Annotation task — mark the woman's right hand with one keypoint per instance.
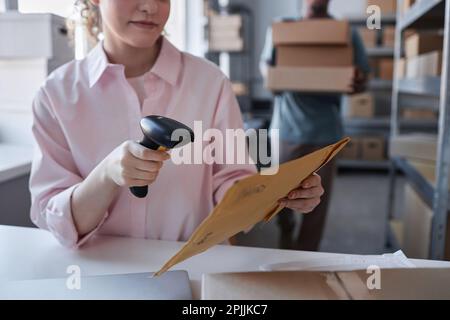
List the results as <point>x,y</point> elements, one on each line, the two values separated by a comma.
<point>132,165</point>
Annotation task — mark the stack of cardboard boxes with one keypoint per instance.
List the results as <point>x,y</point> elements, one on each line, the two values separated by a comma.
<point>423,58</point>
<point>365,148</point>
<point>420,150</point>
<point>423,53</point>
<point>225,33</point>
<point>312,56</point>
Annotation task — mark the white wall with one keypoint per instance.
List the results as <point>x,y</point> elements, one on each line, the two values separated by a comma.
<point>342,8</point>
<point>62,8</point>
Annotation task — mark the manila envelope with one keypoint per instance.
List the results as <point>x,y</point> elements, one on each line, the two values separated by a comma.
<point>250,201</point>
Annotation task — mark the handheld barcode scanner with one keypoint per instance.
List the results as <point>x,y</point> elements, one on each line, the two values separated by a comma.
<point>159,135</point>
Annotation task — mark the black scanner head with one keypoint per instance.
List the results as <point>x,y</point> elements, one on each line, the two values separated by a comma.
<point>165,132</point>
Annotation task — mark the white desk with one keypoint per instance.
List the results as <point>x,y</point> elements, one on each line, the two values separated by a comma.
<point>15,161</point>
<point>34,254</point>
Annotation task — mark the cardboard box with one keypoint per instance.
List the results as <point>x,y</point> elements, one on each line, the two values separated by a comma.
<point>424,65</point>
<point>419,114</point>
<point>231,33</point>
<point>374,66</point>
<point>395,284</point>
<point>314,56</point>
<point>372,148</point>
<point>386,69</point>
<point>352,150</point>
<point>232,45</point>
<point>386,6</point>
<point>310,79</point>
<point>389,36</point>
<point>369,37</point>
<point>358,106</point>
<point>311,32</point>
<point>407,4</point>
<point>417,224</point>
<point>421,43</point>
<point>418,146</point>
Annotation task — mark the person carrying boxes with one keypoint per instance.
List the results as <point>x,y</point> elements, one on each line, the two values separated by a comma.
<point>309,63</point>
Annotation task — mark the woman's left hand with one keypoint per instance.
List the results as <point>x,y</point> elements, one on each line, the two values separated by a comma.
<point>305,198</point>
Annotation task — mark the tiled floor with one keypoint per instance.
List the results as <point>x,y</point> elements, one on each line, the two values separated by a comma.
<point>356,217</point>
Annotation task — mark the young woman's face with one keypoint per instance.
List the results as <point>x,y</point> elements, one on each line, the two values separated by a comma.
<point>139,23</point>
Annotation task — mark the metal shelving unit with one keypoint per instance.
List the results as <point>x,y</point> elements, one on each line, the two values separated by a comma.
<point>380,88</point>
<point>241,67</point>
<point>363,165</point>
<point>425,15</point>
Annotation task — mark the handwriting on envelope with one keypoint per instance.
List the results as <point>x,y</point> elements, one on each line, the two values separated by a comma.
<point>250,201</point>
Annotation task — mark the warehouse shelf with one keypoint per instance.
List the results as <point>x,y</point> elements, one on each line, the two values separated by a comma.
<point>385,19</point>
<point>379,89</point>
<point>430,86</point>
<point>424,14</point>
<point>380,84</point>
<point>385,122</point>
<point>363,164</point>
<point>419,183</point>
<point>380,52</point>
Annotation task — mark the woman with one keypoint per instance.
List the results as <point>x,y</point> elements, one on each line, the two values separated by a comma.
<point>86,124</point>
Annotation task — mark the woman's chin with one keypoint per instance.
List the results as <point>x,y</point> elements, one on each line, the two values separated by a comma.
<point>143,42</point>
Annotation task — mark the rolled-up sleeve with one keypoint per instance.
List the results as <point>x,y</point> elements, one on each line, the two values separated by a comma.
<point>228,116</point>
<point>54,176</point>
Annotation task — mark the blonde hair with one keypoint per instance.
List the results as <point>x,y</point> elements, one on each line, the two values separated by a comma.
<point>90,17</point>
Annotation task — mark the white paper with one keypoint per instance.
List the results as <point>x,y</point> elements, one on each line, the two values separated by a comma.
<point>396,260</point>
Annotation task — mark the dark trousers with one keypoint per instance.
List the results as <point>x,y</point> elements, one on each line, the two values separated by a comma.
<point>312,226</point>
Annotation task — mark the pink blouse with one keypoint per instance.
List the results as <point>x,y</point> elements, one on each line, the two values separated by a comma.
<point>87,108</point>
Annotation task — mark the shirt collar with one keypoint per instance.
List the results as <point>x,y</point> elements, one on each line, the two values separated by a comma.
<point>166,67</point>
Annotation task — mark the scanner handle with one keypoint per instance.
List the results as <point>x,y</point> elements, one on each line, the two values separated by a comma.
<point>141,192</point>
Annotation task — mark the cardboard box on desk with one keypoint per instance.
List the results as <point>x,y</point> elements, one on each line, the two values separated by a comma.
<point>311,32</point>
<point>314,56</point>
<point>420,43</point>
<point>311,79</point>
<point>306,285</point>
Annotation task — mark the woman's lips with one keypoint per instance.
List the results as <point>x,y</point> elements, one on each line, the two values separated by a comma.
<point>144,24</point>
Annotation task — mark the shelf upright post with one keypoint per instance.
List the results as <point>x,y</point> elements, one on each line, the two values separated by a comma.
<point>395,115</point>
<point>441,194</point>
